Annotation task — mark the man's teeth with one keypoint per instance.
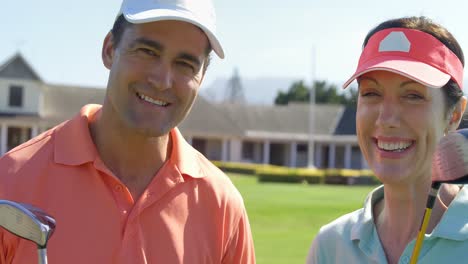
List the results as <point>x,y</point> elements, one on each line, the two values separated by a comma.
<point>151,100</point>
<point>395,146</point>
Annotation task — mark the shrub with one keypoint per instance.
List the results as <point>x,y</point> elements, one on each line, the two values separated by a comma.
<point>350,177</point>
<point>272,173</point>
<point>237,167</point>
<point>277,175</point>
<point>289,175</point>
<point>312,176</point>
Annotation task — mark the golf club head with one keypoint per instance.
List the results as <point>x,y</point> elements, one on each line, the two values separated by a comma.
<point>26,221</point>
<point>450,160</point>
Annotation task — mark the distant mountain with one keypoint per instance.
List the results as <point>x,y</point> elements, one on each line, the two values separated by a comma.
<point>256,91</point>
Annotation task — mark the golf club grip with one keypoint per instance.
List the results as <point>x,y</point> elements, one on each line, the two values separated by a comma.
<point>450,160</point>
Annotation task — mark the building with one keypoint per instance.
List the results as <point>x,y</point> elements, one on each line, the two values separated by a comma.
<point>277,135</point>
<point>265,134</point>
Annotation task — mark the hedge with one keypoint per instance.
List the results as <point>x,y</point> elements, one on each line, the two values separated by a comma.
<point>290,175</point>
<point>234,167</point>
<point>350,177</point>
<point>272,173</point>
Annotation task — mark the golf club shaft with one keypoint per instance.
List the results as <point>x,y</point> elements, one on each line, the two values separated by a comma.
<point>42,253</point>
<point>420,238</point>
<point>427,216</point>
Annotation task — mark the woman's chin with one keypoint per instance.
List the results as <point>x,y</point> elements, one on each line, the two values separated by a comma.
<point>393,174</point>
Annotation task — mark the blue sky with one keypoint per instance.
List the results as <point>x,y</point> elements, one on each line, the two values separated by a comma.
<point>262,38</point>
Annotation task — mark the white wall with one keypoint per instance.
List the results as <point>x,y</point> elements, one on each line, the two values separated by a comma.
<point>235,150</point>
<point>31,94</point>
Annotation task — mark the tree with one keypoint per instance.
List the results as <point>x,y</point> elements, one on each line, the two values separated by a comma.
<point>234,91</point>
<point>298,92</point>
<point>325,93</point>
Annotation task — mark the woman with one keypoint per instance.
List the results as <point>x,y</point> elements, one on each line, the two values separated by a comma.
<point>410,76</point>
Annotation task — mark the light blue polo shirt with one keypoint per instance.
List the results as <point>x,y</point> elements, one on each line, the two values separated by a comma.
<point>353,238</point>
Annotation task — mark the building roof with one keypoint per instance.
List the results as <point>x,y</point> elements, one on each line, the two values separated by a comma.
<point>64,101</point>
<point>205,119</point>
<point>17,67</point>
<point>347,123</point>
<point>283,118</point>
<point>243,120</point>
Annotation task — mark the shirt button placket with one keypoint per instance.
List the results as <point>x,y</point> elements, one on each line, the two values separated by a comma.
<point>122,202</point>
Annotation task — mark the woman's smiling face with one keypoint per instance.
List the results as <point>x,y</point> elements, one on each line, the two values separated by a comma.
<point>399,122</point>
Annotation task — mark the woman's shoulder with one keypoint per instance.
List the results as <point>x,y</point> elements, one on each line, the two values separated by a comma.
<point>342,226</point>
<point>335,241</point>
<point>358,224</point>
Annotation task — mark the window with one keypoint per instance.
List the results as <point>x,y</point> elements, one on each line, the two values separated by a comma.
<point>17,136</point>
<point>302,147</point>
<point>16,96</point>
<point>248,150</point>
<point>199,144</point>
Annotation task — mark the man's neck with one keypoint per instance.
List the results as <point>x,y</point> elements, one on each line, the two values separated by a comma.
<point>133,158</point>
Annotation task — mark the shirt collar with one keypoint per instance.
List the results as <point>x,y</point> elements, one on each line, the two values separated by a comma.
<point>74,145</point>
<point>454,222</point>
<point>365,225</point>
<point>73,142</point>
<point>364,229</point>
<point>187,159</point>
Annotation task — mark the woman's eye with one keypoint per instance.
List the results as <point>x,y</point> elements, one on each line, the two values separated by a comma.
<point>369,94</point>
<point>414,97</point>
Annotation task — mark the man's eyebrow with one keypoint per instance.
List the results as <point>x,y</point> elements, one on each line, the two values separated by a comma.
<point>159,46</point>
<point>190,57</point>
<point>147,42</point>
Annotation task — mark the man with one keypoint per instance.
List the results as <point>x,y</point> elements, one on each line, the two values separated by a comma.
<point>120,180</point>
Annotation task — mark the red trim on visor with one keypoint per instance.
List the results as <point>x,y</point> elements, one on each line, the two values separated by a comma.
<point>411,53</point>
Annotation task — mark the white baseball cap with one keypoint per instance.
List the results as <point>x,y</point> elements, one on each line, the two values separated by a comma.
<point>200,13</point>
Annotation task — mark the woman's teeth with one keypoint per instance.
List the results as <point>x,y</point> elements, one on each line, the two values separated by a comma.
<point>394,146</point>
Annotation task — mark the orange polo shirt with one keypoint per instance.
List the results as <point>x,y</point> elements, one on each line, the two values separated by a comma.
<point>189,213</point>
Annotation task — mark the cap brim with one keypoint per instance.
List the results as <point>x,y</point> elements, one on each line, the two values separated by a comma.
<point>167,14</point>
<point>410,68</point>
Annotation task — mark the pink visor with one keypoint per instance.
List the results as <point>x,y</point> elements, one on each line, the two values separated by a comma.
<point>412,53</point>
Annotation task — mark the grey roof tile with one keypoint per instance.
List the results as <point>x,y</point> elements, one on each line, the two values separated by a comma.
<point>206,119</point>
<point>347,123</point>
<point>238,119</point>
<point>63,101</point>
<point>17,67</point>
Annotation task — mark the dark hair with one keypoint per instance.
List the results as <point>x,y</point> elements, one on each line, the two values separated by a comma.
<point>118,29</point>
<point>451,90</point>
<point>121,24</point>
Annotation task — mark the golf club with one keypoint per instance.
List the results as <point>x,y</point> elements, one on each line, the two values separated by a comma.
<point>28,222</point>
<point>449,165</point>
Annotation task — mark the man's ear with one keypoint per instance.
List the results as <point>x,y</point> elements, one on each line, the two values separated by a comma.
<point>108,50</point>
<point>457,114</point>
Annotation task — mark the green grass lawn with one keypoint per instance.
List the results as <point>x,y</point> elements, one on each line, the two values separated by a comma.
<point>285,217</point>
